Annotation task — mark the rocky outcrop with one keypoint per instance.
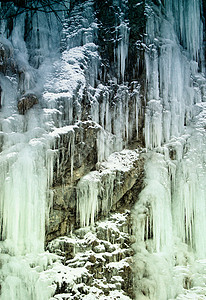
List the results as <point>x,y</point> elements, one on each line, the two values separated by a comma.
<point>111,182</point>
<point>26,102</point>
<point>0,96</point>
<point>76,148</point>
<point>96,260</point>
<point>7,62</point>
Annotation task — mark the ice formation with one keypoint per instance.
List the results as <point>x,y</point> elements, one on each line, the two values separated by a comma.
<point>169,215</point>
<point>171,208</point>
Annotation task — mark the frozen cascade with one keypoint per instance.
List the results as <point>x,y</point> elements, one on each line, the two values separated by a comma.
<point>153,124</point>
<point>189,194</point>
<point>25,196</point>
<point>170,74</point>
<point>26,168</point>
<point>170,212</point>
<point>87,200</point>
<point>169,216</point>
<point>24,172</point>
<point>188,25</point>
<point>156,199</point>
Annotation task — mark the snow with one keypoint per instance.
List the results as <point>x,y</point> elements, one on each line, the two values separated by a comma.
<point>76,270</point>
<point>118,265</point>
<point>121,161</point>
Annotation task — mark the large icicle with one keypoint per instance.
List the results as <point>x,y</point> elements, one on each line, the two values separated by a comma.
<point>23,192</point>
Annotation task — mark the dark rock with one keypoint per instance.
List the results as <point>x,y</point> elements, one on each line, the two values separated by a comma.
<point>0,96</point>
<point>92,259</point>
<point>7,63</point>
<point>27,102</point>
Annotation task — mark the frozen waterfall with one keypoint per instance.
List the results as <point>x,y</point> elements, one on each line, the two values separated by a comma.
<point>25,164</point>
<point>73,158</point>
<point>170,213</point>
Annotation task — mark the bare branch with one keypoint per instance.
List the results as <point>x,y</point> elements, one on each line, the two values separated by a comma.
<point>45,6</point>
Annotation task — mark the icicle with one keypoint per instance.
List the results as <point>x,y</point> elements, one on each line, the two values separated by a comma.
<point>106,191</point>
<point>153,124</point>
<point>72,148</point>
<point>87,200</point>
<point>168,70</point>
<point>122,49</point>
<point>137,115</point>
<point>105,145</point>
<point>24,191</point>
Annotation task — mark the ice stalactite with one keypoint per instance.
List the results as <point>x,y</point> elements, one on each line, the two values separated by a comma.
<point>155,218</point>
<point>87,200</point>
<point>26,173</point>
<point>188,25</point>
<point>121,52</point>
<point>153,124</point>
<point>119,121</point>
<point>105,145</point>
<point>62,142</point>
<point>169,71</point>
<point>20,232</point>
<point>154,233</point>
<point>94,195</point>
<point>169,218</point>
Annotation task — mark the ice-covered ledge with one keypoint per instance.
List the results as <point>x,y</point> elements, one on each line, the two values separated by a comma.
<point>96,193</point>
<point>100,190</point>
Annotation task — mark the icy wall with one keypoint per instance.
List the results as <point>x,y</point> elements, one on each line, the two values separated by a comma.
<point>169,213</point>
<point>81,83</point>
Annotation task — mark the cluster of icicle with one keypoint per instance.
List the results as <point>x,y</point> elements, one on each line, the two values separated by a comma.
<point>26,164</point>
<point>170,213</point>
<point>173,57</point>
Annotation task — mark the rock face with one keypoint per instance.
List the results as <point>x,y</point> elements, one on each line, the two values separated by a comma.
<point>0,96</point>
<point>113,181</point>
<point>7,62</point>
<point>85,192</point>
<point>26,102</point>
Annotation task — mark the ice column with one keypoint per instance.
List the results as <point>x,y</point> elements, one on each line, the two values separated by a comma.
<point>189,206</point>
<point>153,124</point>
<point>23,186</point>
<point>153,210</point>
<point>87,199</point>
<point>122,48</point>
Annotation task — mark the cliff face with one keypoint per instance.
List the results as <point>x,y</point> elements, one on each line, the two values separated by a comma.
<point>102,149</point>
